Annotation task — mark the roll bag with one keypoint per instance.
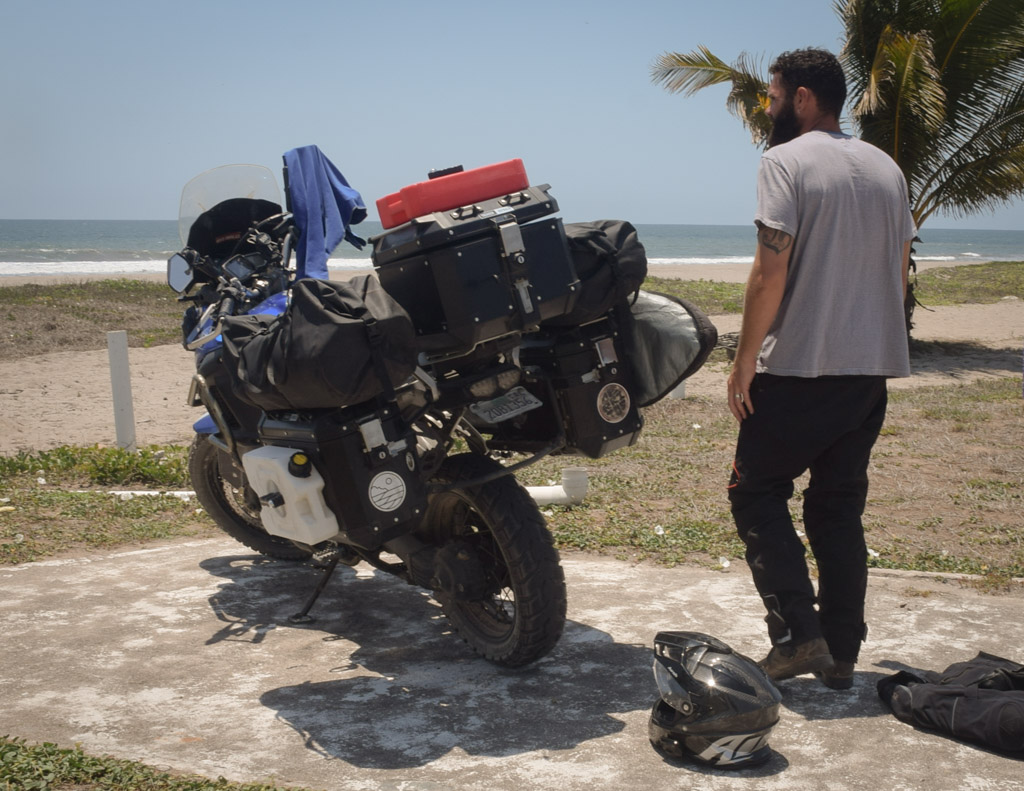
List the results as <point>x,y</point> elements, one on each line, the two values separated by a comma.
<point>337,344</point>
<point>666,340</point>
<point>611,264</point>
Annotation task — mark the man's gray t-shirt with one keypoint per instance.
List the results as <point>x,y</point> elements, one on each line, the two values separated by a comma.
<point>845,204</point>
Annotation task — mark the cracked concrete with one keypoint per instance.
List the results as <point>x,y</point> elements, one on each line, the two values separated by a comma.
<point>181,656</point>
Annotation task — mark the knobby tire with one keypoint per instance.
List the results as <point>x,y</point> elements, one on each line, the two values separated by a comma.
<point>522,617</point>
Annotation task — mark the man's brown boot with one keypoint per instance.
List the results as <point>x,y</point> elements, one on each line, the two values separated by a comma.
<point>839,677</point>
<point>786,661</point>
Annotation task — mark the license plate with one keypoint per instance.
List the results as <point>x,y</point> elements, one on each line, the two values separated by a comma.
<point>515,402</point>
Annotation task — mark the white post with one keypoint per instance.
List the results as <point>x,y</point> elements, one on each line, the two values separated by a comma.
<point>121,389</point>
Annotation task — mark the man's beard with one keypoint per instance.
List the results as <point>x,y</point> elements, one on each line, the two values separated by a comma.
<point>784,126</point>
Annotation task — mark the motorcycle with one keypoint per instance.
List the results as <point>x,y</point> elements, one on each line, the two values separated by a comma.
<point>382,420</point>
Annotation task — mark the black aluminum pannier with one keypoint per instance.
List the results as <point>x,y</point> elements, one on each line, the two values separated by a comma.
<point>367,458</point>
<point>581,390</point>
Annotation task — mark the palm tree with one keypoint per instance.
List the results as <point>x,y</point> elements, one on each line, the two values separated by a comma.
<point>937,84</point>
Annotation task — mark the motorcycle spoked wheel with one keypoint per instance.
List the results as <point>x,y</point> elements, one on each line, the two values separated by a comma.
<point>227,505</point>
<point>521,614</point>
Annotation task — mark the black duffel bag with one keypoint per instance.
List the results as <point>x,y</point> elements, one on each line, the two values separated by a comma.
<point>338,344</point>
<point>611,265</point>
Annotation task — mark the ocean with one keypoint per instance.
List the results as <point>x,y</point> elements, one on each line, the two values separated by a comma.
<point>82,247</point>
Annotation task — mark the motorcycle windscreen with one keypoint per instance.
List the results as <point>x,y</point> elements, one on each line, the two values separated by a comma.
<point>668,339</point>
<point>212,187</point>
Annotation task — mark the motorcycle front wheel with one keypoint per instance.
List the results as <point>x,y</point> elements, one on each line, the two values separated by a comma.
<point>229,507</point>
<point>516,612</point>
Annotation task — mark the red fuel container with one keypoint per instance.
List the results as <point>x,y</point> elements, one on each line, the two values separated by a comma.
<point>451,191</point>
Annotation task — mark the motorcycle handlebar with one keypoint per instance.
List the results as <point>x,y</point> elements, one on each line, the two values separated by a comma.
<point>215,312</point>
<point>195,343</point>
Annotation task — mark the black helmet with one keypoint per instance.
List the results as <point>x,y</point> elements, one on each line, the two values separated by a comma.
<point>717,707</point>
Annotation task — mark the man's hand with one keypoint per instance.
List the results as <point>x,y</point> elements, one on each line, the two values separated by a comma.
<point>738,388</point>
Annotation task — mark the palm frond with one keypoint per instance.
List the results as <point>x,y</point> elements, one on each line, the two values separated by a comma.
<point>691,72</point>
<point>979,50</point>
<point>986,170</point>
<point>903,108</point>
<point>687,73</point>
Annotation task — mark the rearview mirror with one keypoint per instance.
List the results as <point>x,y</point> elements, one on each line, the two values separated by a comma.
<point>179,273</point>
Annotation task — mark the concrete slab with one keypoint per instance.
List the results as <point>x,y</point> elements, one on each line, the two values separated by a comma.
<point>181,656</point>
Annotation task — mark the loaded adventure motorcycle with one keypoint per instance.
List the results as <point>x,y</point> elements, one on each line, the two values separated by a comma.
<point>382,419</point>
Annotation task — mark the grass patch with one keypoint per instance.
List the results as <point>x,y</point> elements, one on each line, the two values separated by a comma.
<point>46,766</point>
<point>957,285</point>
<point>165,467</point>
<point>77,316</point>
<point>712,296</point>
<point>40,522</point>
<point>52,503</point>
<point>947,483</point>
<point>978,283</point>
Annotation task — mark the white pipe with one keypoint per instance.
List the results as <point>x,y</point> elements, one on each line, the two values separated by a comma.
<point>571,492</point>
<point>129,494</point>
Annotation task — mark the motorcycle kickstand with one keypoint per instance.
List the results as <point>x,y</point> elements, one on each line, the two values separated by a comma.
<point>303,616</point>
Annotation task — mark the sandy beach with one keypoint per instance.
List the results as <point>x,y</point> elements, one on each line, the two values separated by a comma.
<point>65,397</point>
<point>726,273</point>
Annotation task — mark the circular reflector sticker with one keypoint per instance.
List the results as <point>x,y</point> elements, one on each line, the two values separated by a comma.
<point>387,491</point>
<point>613,403</point>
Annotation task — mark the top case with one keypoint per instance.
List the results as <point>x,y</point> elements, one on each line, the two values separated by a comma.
<point>451,226</point>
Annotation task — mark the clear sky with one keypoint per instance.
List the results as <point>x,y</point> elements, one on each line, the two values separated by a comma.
<point>107,107</point>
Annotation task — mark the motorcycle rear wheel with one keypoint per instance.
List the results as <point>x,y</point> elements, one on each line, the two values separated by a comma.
<point>521,615</point>
<point>227,505</point>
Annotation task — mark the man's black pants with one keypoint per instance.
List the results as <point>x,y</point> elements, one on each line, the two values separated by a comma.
<point>827,425</point>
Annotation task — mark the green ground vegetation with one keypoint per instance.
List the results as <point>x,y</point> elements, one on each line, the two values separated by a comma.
<point>48,767</point>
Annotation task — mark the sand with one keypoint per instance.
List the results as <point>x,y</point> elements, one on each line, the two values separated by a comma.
<point>65,397</point>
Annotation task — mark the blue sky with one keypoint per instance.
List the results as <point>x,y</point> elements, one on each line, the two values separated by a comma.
<point>109,107</point>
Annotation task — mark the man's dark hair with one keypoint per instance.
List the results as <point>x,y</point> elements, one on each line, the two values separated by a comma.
<point>819,71</point>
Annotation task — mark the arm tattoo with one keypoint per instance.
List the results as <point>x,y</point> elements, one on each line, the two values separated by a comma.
<point>776,241</point>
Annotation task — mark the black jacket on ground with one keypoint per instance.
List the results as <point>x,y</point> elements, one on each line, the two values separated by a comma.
<point>980,701</point>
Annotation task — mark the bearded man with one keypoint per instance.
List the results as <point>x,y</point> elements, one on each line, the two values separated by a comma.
<point>823,329</point>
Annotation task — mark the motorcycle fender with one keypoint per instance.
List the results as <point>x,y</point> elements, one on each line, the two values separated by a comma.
<point>205,425</point>
<point>229,470</point>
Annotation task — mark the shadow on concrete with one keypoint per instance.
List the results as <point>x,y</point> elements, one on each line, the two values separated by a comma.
<point>408,689</point>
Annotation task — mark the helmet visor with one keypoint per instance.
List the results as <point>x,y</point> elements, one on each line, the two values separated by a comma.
<point>671,691</point>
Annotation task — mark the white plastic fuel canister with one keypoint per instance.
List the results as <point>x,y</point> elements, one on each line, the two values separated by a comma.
<point>293,505</point>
